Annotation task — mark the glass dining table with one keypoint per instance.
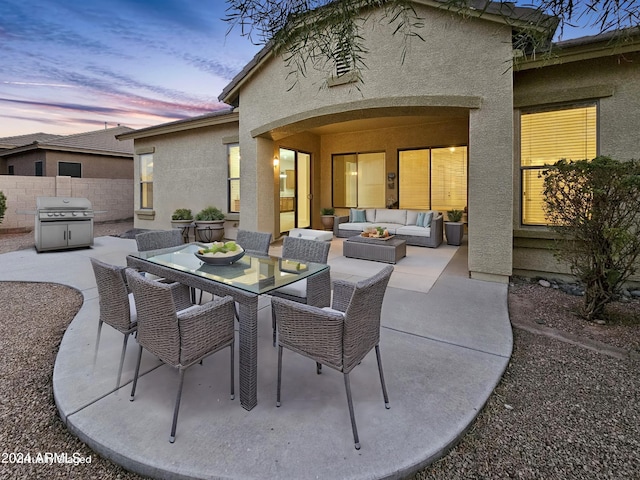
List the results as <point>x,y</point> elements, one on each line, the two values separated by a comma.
<point>245,280</point>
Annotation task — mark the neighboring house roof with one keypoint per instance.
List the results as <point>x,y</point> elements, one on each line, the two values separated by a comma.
<point>502,12</point>
<point>98,142</point>
<point>218,117</point>
<point>20,140</point>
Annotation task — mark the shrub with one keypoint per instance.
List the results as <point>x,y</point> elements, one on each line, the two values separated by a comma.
<point>594,206</point>
<point>182,214</point>
<point>209,214</point>
<point>3,205</point>
<point>454,215</point>
<point>327,211</point>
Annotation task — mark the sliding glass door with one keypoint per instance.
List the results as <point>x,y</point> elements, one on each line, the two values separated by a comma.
<point>295,189</point>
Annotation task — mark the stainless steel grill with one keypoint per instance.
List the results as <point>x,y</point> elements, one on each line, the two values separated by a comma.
<point>63,222</point>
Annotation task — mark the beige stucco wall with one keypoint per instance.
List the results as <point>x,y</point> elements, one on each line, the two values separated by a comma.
<point>615,83</point>
<point>460,59</point>
<point>115,196</point>
<point>189,171</point>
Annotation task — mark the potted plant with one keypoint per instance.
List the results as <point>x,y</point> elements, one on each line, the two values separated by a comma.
<point>210,224</point>
<point>181,217</point>
<point>3,205</point>
<point>454,228</point>
<point>328,218</point>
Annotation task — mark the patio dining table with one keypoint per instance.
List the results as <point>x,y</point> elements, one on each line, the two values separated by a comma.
<point>245,280</point>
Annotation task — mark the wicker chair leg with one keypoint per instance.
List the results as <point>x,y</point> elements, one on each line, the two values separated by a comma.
<point>124,350</point>
<point>135,375</point>
<point>273,325</point>
<point>279,375</point>
<point>318,368</point>
<point>172,437</point>
<point>384,386</point>
<point>95,353</point>
<point>233,394</point>
<point>347,386</point>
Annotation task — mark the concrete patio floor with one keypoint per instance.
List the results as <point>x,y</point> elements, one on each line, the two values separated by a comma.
<point>445,342</point>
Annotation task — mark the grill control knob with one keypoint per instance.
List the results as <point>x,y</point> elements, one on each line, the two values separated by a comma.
<point>62,214</point>
<point>49,214</point>
<point>56,214</point>
<point>84,213</point>
<point>75,214</point>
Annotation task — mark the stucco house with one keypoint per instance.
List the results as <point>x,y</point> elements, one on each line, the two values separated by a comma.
<point>466,121</point>
<point>95,154</point>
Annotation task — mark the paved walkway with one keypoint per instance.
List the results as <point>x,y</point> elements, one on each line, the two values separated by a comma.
<point>445,342</point>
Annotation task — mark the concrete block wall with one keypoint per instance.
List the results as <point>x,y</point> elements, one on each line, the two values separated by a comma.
<point>113,195</point>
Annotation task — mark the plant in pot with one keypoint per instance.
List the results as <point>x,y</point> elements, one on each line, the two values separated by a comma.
<point>328,218</point>
<point>210,224</point>
<point>454,228</point>
<point>181,217</point>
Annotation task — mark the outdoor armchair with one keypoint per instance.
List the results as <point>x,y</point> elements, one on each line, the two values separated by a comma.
<point>117,305</point>
<point>254,242</point>
<point>314,290</point>
<point>179,338</point>
<point>338,337</point>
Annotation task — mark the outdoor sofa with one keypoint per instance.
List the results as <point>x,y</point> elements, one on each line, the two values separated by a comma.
<point>423,229</point>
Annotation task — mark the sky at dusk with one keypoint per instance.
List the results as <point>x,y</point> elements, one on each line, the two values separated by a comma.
<point>69,66</point>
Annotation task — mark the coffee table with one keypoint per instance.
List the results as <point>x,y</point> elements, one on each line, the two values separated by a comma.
<point>377,249</point>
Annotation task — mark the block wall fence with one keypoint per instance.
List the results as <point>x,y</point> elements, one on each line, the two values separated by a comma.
<point>115,196</point>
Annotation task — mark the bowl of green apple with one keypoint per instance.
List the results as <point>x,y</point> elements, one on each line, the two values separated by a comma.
<point>220,253</point>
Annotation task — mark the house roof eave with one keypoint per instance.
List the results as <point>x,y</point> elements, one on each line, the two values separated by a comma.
<point>489,10</point>
<point>606,44</point>
<point>209,120</point>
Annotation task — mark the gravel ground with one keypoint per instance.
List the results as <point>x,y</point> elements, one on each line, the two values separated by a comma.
<point>561,411</point>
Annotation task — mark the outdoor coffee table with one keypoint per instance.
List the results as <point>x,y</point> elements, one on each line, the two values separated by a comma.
<point>244,280</point>
<point>388,250</point>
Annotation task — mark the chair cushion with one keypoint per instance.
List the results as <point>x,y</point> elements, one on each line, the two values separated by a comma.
<point>296,289</point>
<point>133,313</point>
<point>355,227</point>
<point>329,309</point>
<point>414,230</point>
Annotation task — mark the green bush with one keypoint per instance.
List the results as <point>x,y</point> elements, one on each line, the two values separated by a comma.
<point>594,206</point>
<point>3,205</point>
<point>327,211</point>
<point>182,214</point>
<point>454,215</point>
<point>209,214</point>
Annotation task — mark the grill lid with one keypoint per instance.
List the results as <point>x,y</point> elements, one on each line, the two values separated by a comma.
<point>62,203</point>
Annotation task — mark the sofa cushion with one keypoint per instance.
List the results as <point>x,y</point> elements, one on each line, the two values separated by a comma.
<point>424,219</point>
<point>355,227</point>
<point>412,216</point>
<point>384,215</point>
<point>390,227</point>
<point>420,220</point>
<point>371,214</point>
<point>356,216</point>
<point>414,230</point>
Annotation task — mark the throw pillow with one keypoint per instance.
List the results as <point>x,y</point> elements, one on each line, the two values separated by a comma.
<point>426,222</point>
<point>420,219</point>
<point>357,216</point>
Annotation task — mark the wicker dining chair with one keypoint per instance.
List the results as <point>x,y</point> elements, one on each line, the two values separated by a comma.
<point>117,305</point>
<point>156,239</point>
<point>254,242</point>
<point>314,290</point>
<point>179,338</point>
<point>338,337</point>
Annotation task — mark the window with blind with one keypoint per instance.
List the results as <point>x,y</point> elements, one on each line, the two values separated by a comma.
<point>146,180</point>
<point>359,180</point>
<point>433,178</point>
<point>233,158</point>
<point>546,137</point>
